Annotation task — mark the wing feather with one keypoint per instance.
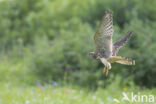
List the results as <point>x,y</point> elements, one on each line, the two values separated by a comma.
<point>103,36</point>
<point>117,45</point>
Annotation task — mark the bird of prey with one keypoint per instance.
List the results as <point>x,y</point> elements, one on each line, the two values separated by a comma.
<point>106,50</point>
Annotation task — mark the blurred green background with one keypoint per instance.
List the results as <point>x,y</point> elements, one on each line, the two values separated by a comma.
<point>48,41</point>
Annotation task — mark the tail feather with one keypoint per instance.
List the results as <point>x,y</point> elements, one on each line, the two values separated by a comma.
<point>126,62</point>
<point>121,60</point>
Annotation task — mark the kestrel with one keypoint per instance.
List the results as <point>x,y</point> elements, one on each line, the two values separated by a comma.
<point>106,50</point>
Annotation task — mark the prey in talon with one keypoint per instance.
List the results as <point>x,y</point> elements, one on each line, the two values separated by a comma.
<point>106,50</point>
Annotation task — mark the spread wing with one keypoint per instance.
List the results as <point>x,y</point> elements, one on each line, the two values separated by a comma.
<point>117,45</point>
<point>103,36</point>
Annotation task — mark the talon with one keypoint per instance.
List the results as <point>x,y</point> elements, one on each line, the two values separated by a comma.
<point>107,68</point>
<point>107,65</point>
<point>106,72</point>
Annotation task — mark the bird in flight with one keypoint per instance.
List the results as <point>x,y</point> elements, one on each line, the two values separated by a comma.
<point>106,50</point>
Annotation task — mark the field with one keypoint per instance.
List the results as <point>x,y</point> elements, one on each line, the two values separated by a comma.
<point>68,94</point>
<point>44,47</point>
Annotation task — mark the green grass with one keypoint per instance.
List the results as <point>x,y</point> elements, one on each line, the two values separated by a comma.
<point>49,94</point>
<point>16,87</point>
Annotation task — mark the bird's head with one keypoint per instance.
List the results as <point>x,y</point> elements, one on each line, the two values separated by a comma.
<point>92,55</point>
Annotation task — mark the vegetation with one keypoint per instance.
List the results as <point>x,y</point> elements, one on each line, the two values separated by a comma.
<point>69,94</point>
<point>48,41</point>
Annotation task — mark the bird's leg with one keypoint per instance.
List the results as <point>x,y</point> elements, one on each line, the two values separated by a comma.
<point>121,60</point>
<point>107,65</point>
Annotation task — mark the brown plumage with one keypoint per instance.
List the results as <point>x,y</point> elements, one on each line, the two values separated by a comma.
<point>105,49</point>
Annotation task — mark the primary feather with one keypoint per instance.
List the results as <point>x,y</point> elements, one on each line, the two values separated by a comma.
<point>103,36</point>
<point>117,45</point>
